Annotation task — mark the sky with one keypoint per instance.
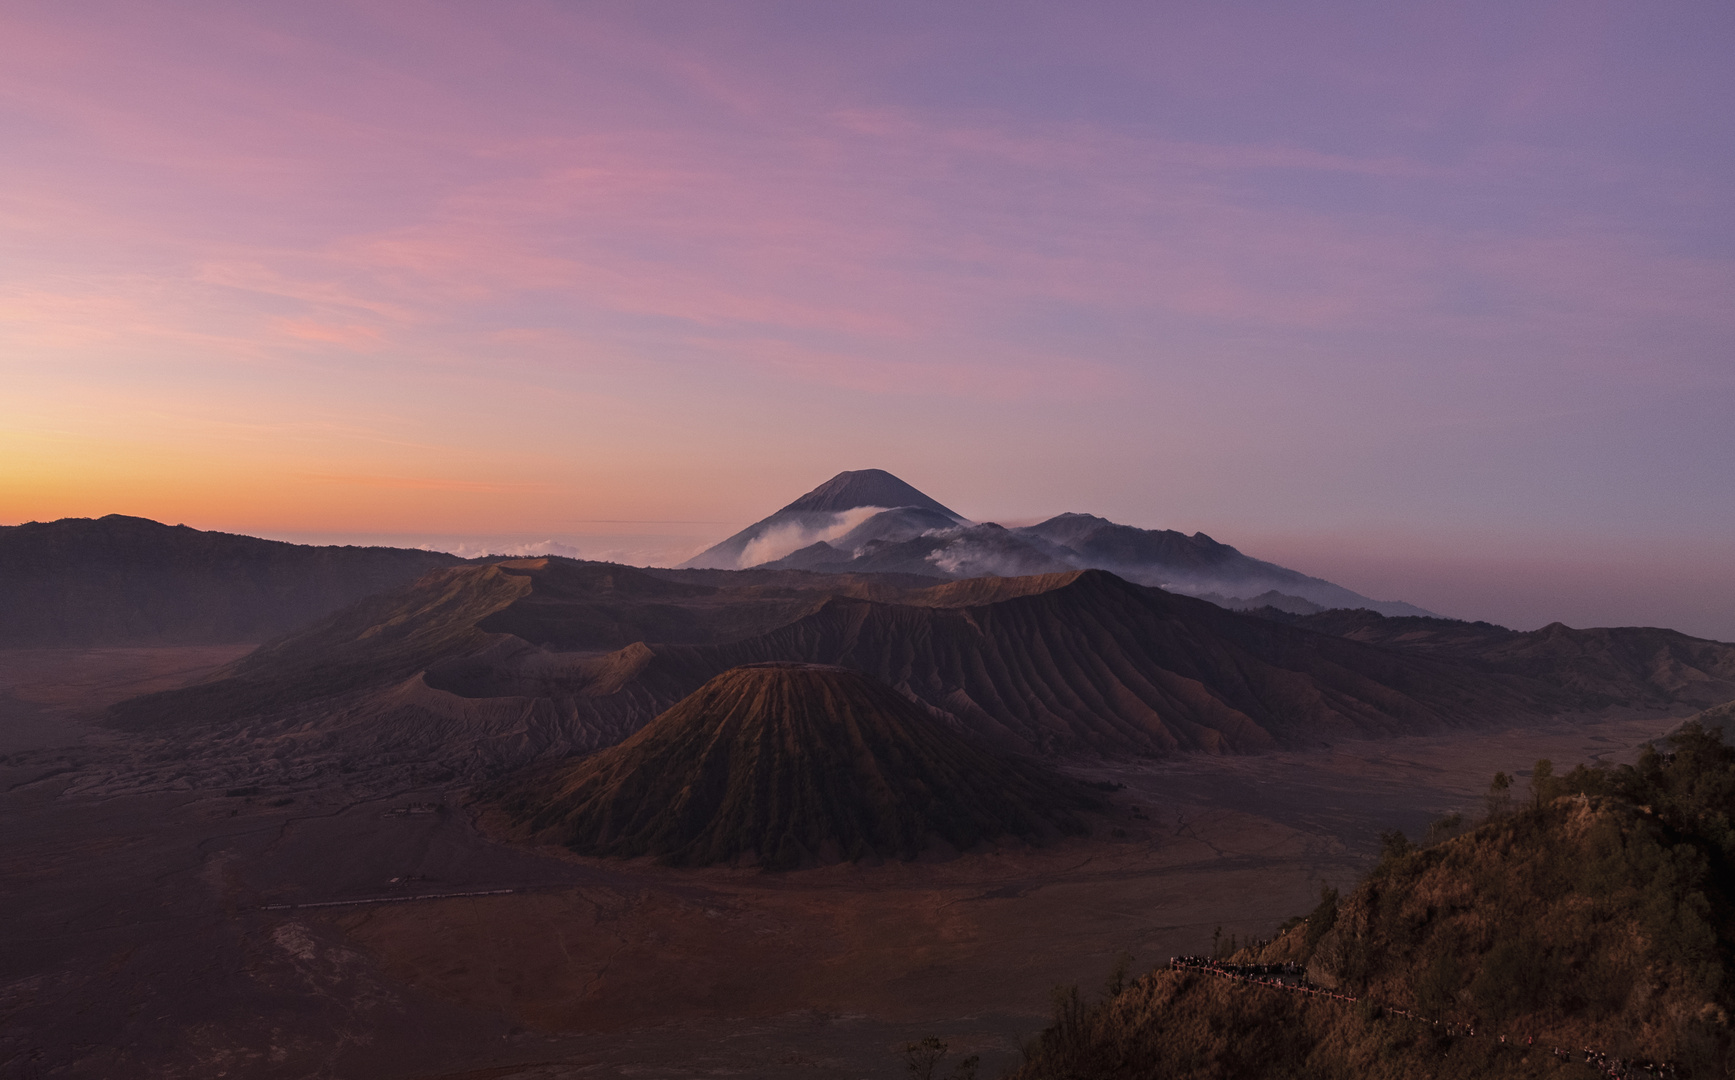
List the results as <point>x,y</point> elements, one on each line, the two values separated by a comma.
<point>1434,300</point>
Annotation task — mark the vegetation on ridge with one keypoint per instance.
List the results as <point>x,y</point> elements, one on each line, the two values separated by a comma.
<point>1597,913</point>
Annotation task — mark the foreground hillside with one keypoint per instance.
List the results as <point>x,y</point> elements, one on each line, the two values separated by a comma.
<point>131,581</point>
<point>1599,915</point>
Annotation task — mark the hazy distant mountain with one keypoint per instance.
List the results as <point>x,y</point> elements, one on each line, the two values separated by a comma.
<point>872,522</point>
<point>130,581</point>
<point>1195,564</point>
<point>1289,605</point>
<point>959,551</point>
<point>837,508</point>
<point>858,771</point>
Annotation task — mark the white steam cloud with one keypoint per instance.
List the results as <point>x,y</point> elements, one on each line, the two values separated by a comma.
<point>780,540</point>
<point>967,557</point>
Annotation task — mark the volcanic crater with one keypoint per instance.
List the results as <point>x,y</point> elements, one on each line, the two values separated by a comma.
<point>786,764</point>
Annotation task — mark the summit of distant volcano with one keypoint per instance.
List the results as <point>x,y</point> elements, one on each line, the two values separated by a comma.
<point>865,487</point>
<point>865,503</point>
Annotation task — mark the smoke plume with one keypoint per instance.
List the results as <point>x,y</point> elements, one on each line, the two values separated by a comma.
<point>790,536</point>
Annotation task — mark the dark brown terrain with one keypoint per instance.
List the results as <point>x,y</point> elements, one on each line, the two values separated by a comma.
<point>273,862</point>
<point>1622,665</point>
<point>479,669</point>
<point>120,581</point>
<point>139,935</point>
<point>786,765</point>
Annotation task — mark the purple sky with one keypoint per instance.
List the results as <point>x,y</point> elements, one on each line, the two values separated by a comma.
<point>1436,301</point>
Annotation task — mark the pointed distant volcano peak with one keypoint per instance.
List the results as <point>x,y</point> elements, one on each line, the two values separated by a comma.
<point>851,508</point>
<point>865,487</point>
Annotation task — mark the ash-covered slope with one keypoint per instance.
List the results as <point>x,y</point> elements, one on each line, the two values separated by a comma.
<point>552,607</point>
<point>786,765</point>
<point>1619,665</point>
<point>131,581</point>
<point>485,668</point>
<point>1087,662</point>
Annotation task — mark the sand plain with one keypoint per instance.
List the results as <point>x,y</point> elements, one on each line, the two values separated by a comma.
<point>49,696</point>
<point>144,934</point>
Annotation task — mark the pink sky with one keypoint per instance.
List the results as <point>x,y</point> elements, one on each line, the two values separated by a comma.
<point>1437,301</point>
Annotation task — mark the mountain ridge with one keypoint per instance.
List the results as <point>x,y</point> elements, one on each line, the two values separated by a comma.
<point>906,531</point>
<point>120,580</point>
<point>483,669</point>
<point>1613,664</point>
